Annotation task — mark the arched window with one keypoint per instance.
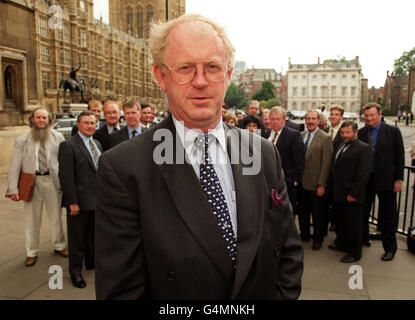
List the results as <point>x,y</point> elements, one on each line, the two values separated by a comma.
<point>129,16</point>
<point>8,82</point>
<point>150,15</point>
<point>140,22</point>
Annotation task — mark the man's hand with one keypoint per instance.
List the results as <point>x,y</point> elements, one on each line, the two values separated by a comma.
<point>351,199</point>
<point>15,197</point>
<point>74,209</point>
<point>397,186</point>
<point>320,191</point>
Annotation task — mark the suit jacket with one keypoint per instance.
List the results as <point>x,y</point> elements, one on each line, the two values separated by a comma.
<point>103,137</point>
<point>317,161</point>
<point>116,137</point>
<point>157,238</point>
<point>389,156</point>
<point>77,173</point>
<point>292,151</point>
<point>24,159</point>
<point>351,171</point>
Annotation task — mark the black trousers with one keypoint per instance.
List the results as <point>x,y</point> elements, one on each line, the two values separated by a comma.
<point>387,216</point>
<point>349,225</point>
<point>309,202</point>
<point>292,195</point>
<point>81,240</point>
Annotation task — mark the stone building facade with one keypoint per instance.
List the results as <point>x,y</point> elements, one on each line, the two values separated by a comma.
<point>251,81</point>
<point>323,84</point>
<point>41,40</point>
<point>396,93</point>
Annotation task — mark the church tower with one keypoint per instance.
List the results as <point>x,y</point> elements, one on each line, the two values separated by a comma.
<point>135,16</point>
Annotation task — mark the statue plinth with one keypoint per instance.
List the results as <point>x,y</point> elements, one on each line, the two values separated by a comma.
<point>74,107</point>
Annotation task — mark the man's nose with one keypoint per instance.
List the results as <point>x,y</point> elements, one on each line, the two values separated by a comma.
<point>200,80</point>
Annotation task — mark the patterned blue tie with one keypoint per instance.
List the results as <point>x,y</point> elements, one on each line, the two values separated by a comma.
<point>211,186</point>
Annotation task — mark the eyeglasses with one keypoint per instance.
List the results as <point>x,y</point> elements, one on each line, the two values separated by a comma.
<point>184,72</point>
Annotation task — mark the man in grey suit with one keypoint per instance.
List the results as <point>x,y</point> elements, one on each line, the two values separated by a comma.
<point>194,225</point>
<point>36,152</point>
<point>319,151</point>
<point>78,161</point>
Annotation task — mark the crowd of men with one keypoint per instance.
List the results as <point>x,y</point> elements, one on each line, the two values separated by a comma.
<point>333,172</point>
<point>204,229</point>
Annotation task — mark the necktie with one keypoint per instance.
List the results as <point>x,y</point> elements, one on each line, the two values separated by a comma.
<point>115,129</point>
<point>210,184</point>
<point>43,165</point>
<point>371,140</point>
<point>332,133</point>
<point>94,152</point>
<point>341,150</point>
<point>275,137</point>
<point>134,132</point>
<point>307,141</point>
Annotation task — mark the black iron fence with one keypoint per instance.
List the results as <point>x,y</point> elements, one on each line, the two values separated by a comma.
<point>406,203</point>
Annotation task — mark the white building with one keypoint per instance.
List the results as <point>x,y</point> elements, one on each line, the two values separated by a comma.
<point>312,86</point>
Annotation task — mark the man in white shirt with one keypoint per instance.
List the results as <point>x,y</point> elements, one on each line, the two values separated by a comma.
<point>112,117</point>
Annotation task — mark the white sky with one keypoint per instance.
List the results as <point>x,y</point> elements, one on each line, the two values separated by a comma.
<point>266,32</point>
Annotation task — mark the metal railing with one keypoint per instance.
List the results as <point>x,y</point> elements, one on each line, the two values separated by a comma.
<point>406,204</point>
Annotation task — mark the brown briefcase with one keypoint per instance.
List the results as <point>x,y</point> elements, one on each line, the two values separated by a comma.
<point>26,185</point>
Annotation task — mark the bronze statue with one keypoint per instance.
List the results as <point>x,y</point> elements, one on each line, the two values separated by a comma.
<point>73,84</point>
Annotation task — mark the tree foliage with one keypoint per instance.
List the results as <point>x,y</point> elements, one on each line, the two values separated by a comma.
<point>266,92</point>
<point>401,65</point>
<point>235,97</point>
<point>338,59</point>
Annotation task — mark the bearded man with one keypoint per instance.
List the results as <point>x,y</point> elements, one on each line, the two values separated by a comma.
<point>36,152</point>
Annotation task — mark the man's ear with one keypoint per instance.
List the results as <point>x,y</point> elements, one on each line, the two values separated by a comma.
<point>160,76</point>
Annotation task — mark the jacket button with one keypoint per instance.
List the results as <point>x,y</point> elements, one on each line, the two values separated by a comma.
<point>171,276</point>
<point>277,251</point>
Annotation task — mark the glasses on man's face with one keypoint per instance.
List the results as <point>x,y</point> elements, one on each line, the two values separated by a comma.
<point>184,72</point>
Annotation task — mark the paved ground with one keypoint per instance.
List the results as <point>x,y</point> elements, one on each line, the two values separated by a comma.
<point>325,278</point>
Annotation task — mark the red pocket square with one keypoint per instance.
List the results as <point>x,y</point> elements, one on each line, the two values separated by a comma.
<point>277,200</point>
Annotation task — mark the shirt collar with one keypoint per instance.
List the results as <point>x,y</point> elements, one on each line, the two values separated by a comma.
<point>85,139</point>
<point>188,136</point>
<point>138,130</point>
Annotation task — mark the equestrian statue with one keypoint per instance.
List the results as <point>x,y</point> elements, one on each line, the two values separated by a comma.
<point>73,84</point>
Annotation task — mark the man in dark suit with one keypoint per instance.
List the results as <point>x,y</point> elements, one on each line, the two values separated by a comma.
<point>319,151</point>
<point>182,225</point>
<point>386,176</point>
<point>291,149</point>
<point>351,168</point>
<point>252,109</point>
<point>146,116</point>
<point>133,128</point>
<point>78,160</point>
<point>112,118</point>
<point>94,106</point>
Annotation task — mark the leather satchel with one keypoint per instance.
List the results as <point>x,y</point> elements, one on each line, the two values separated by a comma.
<point>26,185</point>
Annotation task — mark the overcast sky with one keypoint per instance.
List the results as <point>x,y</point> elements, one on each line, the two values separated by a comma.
<point>266,33</point>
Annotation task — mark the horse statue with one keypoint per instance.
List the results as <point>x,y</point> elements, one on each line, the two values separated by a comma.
<point>73,86</point>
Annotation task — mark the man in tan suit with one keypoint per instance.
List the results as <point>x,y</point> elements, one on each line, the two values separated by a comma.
<point>319,151</point>
<point>36,152</point>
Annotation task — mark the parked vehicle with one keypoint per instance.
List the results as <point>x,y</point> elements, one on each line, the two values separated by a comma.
<point>64,126</point>
<point>350,116</point>
<point>63,115</point>
<point>296,114</point>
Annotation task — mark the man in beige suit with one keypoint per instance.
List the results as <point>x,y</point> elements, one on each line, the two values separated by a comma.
<point>36,152</point>
<point>319,151</point>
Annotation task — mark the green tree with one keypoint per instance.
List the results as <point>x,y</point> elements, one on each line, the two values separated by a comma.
<point>235,97</point>
<point>266,92</point>
<point>339,59</point>
<point>401,65</point>
<point>272,103</point>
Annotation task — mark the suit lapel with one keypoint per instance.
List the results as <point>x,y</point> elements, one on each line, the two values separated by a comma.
<point>78,140</point>
<point>313,143</point>
<point>249,208</point>
<point>193,207</point>
<point>282,138</point>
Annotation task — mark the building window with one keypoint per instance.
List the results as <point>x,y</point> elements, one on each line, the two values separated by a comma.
<point>314,91</point>
<point>344,76</point>
<point>84,61</point>
<point>344,91</point>
<point>314,76</point>
<point>150,15</point>
<point>82,38</point>
<point>45,80</point>
<point>64,33</point>
<point>43,27</point>
<point>353,76</point>
<point>353,91</point>
<point>294,105</point>
<point>294,91</point>
<point>324,91</point>
<point>44,53</point>
<point>129,16</point>
<point>304,76</point>
<point>333,76</point>
<point>304,91</point>
<point>140,22</point>
<point>323,76</point>
<point>333,91</point>
<point>294,77</point>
